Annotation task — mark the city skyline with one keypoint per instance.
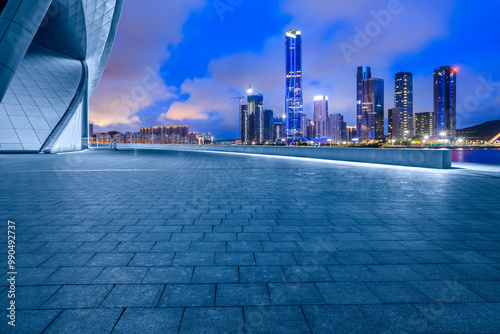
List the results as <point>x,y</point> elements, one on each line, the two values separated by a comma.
<point>225,62</point>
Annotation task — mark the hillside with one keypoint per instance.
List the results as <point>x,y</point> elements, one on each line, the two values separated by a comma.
<point>485,131</point>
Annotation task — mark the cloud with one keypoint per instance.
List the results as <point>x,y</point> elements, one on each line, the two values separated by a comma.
<point>409,30</point>
<point>131,81</point>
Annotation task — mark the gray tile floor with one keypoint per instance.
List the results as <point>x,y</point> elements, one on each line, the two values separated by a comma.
<point>194,242</point>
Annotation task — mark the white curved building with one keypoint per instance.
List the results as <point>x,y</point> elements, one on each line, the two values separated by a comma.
<point>52,55</point>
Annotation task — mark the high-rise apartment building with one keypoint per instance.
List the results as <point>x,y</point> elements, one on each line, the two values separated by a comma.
<point>321,116</point>
<point>424,124</point>
<point>403,99</point>
<point>445,102</point>
<point>396,120</point>
<point>294,104</point>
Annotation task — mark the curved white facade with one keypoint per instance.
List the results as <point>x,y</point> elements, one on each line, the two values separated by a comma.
<point>52,56</point>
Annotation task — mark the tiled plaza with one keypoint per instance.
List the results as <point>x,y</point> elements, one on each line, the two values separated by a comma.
<point>196,242</point>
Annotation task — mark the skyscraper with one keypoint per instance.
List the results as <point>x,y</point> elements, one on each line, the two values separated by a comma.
<point>403,99</point>
<point>268,121</point>
<point>372,112</point>
<point>255,119</point>
<point>321,115</point>
<point>364,72</point>
<point>278,128</point>
<point>424,124</point>
<point>338,128</point>
<point>445,102</point>
<point>244,124</point>
<point>397,117</point>
<point>294,102</point>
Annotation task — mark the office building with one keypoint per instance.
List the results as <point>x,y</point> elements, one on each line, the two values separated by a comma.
<point>294,101</point>
<point>244,124</point>
<point>279,131</point>
<point>372,114</point>
<point>445,102</point>
<point>52,56</point>
<point>338,128</point>
<point>424,124</point>
<point>255,127</point>
<point>350,133</point>
<point>321,116</point>
<point>364,72</point>
<point>268,120</point>
<point>396,122</point>
<point>403,99</point>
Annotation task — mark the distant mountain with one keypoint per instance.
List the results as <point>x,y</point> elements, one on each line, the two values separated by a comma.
<point>485,131</point>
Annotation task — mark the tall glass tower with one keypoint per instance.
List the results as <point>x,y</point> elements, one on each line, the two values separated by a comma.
<point>403,99</point>
<point>445,102</point>
<point>364,72</point>
<point>294,104</point>
<point>372,114</point>
<point>321,116</point>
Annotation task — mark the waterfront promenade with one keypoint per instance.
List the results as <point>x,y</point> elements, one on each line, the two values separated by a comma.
<point>195,242</point>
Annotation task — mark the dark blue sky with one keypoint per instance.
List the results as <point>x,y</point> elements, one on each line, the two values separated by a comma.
<point>208,51</point>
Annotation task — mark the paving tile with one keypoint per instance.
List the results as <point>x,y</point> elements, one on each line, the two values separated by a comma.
<point>234,259</point>
<point>329,319</point>
<point>168,275</point>
<point>133,296</point>
<point>275,259</point>
<point>188,295</point>
<point>148,320</point>
<point>31,297</point>
<point>151,260</point>
<point>275,319</point>
<point>109,259</point>
<point>397,318</point>
<point>219,274</point>
<point>85,321</point>
<point>244,246</point>
<point>397,292</point>
<point>74,275</point>
<point>456,318</point>
<point>207,247</point>
<point>248,294</point>
<point>347,293</point>
<point>212,320</point>
<point>394,273</point>
<point>78,296</point>
<point>449,291</point>
<point>193,259</point>
<point>490,311</point>
<point>307,274</point>
<point>295,294</point>
<point>264,274</point>
<point>34,321</point>
<point>121,275</point>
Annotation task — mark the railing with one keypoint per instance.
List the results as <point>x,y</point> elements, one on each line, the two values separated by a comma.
<point>94,143</point>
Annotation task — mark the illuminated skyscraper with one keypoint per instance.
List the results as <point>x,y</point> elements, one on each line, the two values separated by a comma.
<point>255,119</point>
<point>321,116</point>
<point>364,72</point>
<point>445,102</point>
<point>338,128</point>
<point>372,113</point>
<point>403,99</point>
<point>268,121</point>
<point>294,102</point>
